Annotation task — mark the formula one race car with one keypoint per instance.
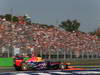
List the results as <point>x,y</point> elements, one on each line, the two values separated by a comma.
<point>37,63</point>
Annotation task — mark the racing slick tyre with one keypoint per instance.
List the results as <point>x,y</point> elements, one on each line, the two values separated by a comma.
<point>50,66</point>
<point>55,67</point>
<point>24,67</point>
<point>17,68</point>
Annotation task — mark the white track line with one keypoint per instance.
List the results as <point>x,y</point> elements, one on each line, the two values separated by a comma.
<point>51,73</point>
<point>64,73</point>
<point>41,74</point>
<point>20,74</point>
<point>87,72</point>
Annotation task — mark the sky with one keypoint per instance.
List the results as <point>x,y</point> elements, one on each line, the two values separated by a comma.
<point>52,12</point>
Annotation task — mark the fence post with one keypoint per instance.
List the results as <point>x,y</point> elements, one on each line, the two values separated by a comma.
<point>57,55</point>
<point>92,55</point>
<point>49,54</point>
<point>70,54</point>
<point>64,54</point>
<point>41,53</point>
<point>87,55</point>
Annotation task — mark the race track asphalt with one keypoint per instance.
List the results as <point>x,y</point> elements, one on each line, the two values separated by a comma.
<point>87,72</point>
<point>11,71</point>
<point>7,69</point>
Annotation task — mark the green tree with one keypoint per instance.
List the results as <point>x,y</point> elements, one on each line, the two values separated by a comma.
<point>93,33</point>
<point>43,25</point>
<point>15,19</point>
<point>69,25</point>
<point>1,16</point>
<point>8,17</point>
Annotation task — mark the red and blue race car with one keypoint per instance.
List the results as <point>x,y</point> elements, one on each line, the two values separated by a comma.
<point>37,63</point>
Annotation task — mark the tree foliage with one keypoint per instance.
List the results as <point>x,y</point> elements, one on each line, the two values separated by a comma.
<point>15,19</point>
<point>93,33</point>
<point>8,17</point>
<point>1,16</point>
<point>44,25</point>
<point>69,25</point>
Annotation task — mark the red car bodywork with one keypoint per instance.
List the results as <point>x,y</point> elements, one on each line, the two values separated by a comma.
<point>18,62</point>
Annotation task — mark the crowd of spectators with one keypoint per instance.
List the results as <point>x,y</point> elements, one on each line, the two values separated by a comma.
<point>42,38</point>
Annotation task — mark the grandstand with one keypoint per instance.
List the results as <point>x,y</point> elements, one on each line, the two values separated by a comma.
<point>47,42</point>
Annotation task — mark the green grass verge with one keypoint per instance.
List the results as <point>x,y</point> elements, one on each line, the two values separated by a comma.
<point>85,62</point>
<point>6,61</point>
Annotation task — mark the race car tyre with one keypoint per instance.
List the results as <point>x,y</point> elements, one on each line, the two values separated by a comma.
<point>17,68</point>
<point>24,67</point>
